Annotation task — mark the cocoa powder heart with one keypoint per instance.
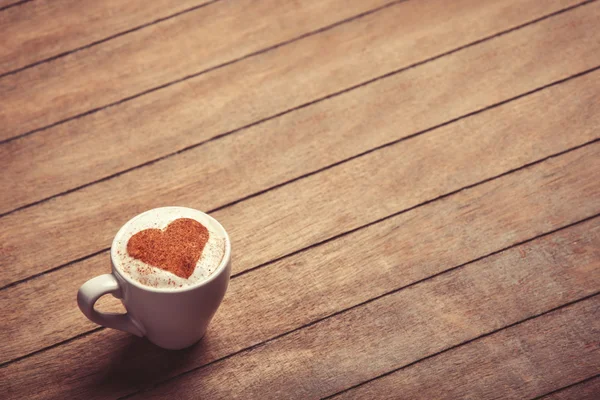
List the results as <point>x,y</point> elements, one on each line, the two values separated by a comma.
<point>176,249</point>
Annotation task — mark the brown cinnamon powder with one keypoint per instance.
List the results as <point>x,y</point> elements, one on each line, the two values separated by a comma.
<point>177,249</point>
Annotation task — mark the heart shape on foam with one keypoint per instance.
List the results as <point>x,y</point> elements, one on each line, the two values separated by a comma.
<point>176,249</point>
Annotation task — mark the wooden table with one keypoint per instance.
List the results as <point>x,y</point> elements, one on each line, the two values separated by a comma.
<point>412,189</point>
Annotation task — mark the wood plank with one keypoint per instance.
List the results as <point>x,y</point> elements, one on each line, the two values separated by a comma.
<point>43,29</point>
<point>159,54</point>
<point>21,331</point>
<point>165,121</point>
<point>406,326</point>
<point>587,390</point>
<point>82,222</point>
<point>519,363</point>
<point>452,231</point>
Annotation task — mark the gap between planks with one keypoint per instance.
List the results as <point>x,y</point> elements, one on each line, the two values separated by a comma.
<point>99,41</point>
<point>592,382</point>
<point>15,4</point>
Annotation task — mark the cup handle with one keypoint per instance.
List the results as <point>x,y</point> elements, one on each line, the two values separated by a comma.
<point>97,287</point>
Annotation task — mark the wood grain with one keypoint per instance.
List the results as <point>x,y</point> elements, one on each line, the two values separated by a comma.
<point>587,390</point>
<point>295,291</point>
<point>522,362</point>
<point>431,233</point>
<point>190,112</point>
<point>82,222</point>
<point>21,331</point>
<point>42,29</point>
<point>157,55</point>
<point>406,326</point>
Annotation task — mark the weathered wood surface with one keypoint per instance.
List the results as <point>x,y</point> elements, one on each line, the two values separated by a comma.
<point>158,55</point>
<point>44,29</point>
<point>4,4</point>
<point>563,200</point>
<point>413,202</point>
<point>587,390</point>
<point>84,221</point>
<point>563,345</point>
<point>163,122</point>
<point>452,231</point>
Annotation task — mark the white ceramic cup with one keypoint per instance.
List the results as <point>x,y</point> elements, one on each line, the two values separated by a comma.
<point>169,318</point>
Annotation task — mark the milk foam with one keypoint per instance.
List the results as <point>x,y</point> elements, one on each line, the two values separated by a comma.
<point>159,218</point>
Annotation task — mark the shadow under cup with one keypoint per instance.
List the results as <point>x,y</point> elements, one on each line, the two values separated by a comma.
<point>172,318</point>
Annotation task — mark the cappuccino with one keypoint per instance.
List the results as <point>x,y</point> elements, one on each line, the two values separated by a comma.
<point>169,248</point>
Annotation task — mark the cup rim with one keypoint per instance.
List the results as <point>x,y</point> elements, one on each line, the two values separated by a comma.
<point>217,272</point>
